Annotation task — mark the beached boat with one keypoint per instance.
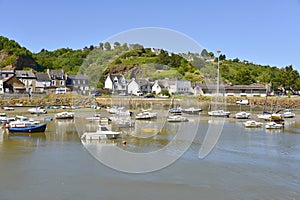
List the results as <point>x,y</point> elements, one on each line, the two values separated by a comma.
<point>7,108</point>
<point>253,124</point>
<point>273,125</point>
<point>242,115</point>
<point>64,115</point>
<point>29,129</point>
<point>287,113</point>
<point>177,118</point>
<point>192,111</point>
<point>219,113</point>
<point>146,115</point>
<point>101,133</point>
<point>37,110</point>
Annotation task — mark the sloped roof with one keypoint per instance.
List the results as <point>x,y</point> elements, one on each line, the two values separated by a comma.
<point>25,74</point>
<point>57,74</point>
<point>78,77</point>
<point>42,77</point>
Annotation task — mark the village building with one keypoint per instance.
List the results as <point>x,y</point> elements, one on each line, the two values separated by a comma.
<point>255,89</point>
<point>78,83</point>
<point>116,83</point>
<point>43,82</point>
<point>13,85</point>
<point>28,78</point>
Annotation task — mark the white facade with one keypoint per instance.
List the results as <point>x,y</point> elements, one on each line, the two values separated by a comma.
<point>133,87</point>
<point>156,87</point>
<point>115,83</point>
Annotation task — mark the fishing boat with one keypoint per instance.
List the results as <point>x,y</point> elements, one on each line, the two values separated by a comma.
<point>219,113</point>
<point>253,124</point>
<point>5,119</point>
<point>64,115</point>
<point>192,111</point>
<point>177,118</point>
<point>102,133</point>
<point>242,115</point>
<point>29,129</point>
<point>287,113</point>
<point>273,125</point>
<point>146,115</point>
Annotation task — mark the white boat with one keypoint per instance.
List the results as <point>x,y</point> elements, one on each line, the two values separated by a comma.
<point>287,113</point>
<point>175,111</point>
<point>242,102</point>
<point>64,115</point>
<point>4,118</point>
<point>273,125</point>
<point>101,133</point>
<point>23,121</point>
<point>146,115</point>
<point>192,111</point>
<point>7,108</point>
<point>177,118</point>
<point>37,110</point>
<point>219,113</point>
<point>242,115</point>
<point>253,124</point>
<point>264,116</point>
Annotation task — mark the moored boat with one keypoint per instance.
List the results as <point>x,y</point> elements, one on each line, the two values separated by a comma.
<point>64,115</point>
<point>192,111</point>
<point>219,113</point>
<point>242,115</point>
<point>273,125</point>
<point>102,133</point>
<point>253,124</point>
<point>37,110</point>
<point>29,129</point>
<point>146,115</point>
<point>177,118</point>
<point>287,113</point>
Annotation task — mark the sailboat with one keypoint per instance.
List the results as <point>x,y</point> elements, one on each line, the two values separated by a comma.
<point>218,113</point>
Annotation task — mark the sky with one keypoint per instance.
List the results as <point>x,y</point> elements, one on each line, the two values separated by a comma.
<point>264,32</point>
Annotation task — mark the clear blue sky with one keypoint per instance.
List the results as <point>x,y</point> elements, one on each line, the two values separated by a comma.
<point>261,31</point>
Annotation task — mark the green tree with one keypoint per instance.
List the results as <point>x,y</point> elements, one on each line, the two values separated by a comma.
<point>107,46</point>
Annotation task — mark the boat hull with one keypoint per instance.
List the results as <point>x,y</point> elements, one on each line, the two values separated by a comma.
<point>29,129</point>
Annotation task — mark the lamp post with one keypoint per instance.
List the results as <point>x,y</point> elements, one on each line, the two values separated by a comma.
<point>218,78</point>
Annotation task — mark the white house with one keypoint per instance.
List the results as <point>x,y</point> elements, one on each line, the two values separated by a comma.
<point>173,86</point>
<point>117,83</point>
<point>133,87</point>
<point>160,85</point>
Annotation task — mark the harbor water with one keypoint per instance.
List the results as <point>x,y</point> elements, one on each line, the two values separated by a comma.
<point>244,164</point>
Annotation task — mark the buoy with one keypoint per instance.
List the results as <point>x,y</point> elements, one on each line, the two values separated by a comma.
<point>124,143</point>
